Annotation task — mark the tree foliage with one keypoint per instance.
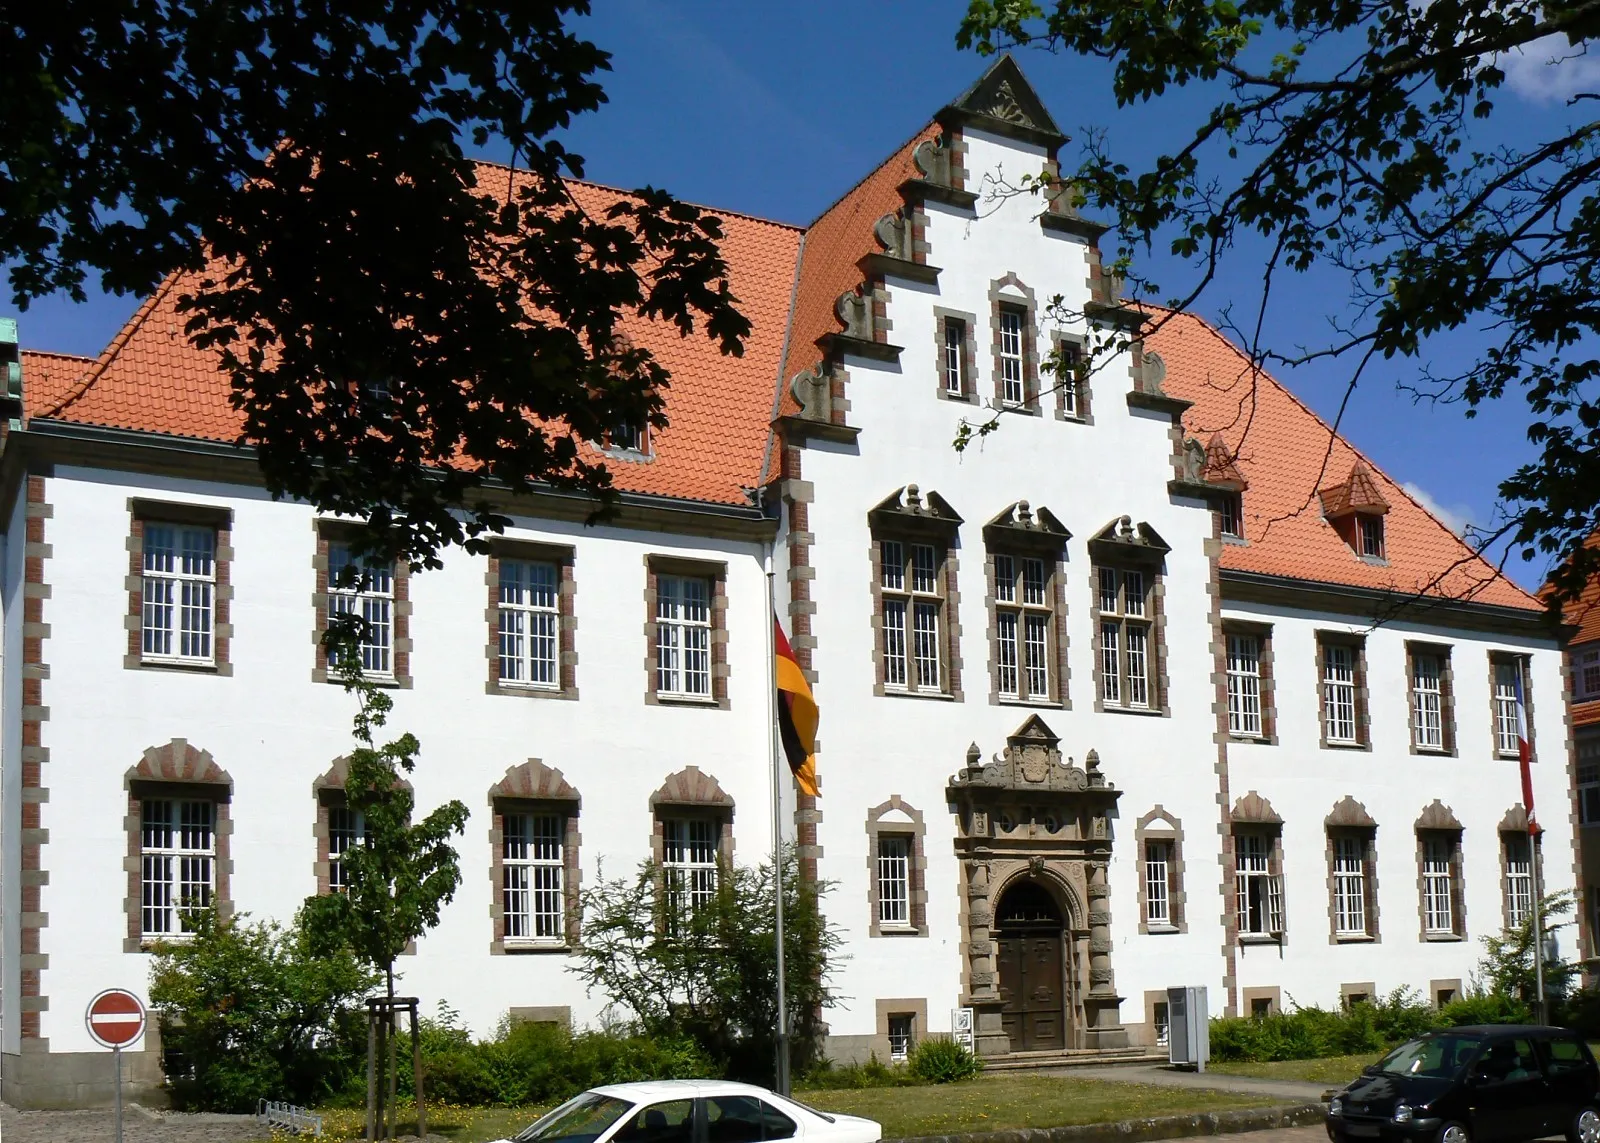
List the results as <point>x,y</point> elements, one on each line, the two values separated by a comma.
<point>403,872</point>
<point>1375,138</point>
<point>255,1011</point>
<point>403,329</point>
<point>710,974</point>
<point>1507,965</point>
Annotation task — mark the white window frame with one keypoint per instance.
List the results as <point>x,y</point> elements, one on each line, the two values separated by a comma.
<point>1507,735</point>
<point>1427,700</point>
<point>1339,718</point>
<point>1013,366</point>
<point>347,828</point>
<point>689,848</point>
<point>1230,515</point>
<point>1516,852</point>
<point>894,857</point>
<point>533,864</point>
<point>530,624</point>
<point>1158,858</point>
<point>683,636</point>
<point>1586,673</point>
<point>178,613</point>
<point>1244,685</point>
<point>177,863</point>
<point>953,356</point>
<point>1438,885</point>
<point>1259,902</point>
<point>1127,633</point>
<point>911,574</point>
<point>373,599</point>
<point>1350,917</point>
<point>902,1035</point>
<point>1369,536</point>
<point>1071,398</point>
<point>1024,628</point>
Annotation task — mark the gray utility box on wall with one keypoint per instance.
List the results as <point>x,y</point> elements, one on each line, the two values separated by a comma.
<point>1188,1029</point>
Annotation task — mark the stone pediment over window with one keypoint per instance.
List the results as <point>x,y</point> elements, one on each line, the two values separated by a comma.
<point>1253,809</point>
<point>337,774</point>
<point>909,510</point>
<point>1350,814</point>
<point>1123,541</point>
<point>1004,102</point>
<point>691,786</point>
<point>178,761</point>
<point>1438,816</point>
<point>1022,526</point>
<point>1032,763</point>
<point>533,781</point>
<point>1515,821</point>
<point>1357,496</point>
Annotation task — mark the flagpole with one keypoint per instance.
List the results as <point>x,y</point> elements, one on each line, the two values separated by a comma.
<point>1538,924</point>
<point>781,1070</point>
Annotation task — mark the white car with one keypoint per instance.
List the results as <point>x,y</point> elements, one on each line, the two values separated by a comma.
<point>692,1111</point>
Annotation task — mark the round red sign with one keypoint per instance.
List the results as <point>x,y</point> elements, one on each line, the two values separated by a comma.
<point>115,1018</point>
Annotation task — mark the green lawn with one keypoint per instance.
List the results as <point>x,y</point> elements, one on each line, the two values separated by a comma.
<point>1335,1071</point>
<point>989,1103</point>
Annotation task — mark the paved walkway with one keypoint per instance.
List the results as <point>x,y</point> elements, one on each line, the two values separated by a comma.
<point>138,1126</point>
<point>1292,1091</point>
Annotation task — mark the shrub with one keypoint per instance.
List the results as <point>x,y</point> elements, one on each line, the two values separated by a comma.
<point>1582,1012</point>
<point>939,1059</point>
<point>1484,1008</point>
<point>829,1076</point>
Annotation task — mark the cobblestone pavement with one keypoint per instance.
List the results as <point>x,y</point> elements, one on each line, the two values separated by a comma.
<point>138,1126</point>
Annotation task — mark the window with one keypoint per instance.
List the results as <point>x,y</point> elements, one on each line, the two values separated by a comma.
<point>1439,885</point>
<point>1124,638</point>
<point>683,636</point>
<point>1163,1021</point>
<point>901,1039</point>
<point>894,880</point>
<point>366,589</point>
<point>177,860</point>
<point>1230,515</point>
<point>689,863</point>
<point>1260,892</point>
<point>1244,685</point>
<point>913,614</point>
<point>1013,388</point>
<point>532,864</point>
<point>180,576</point>
<point>1508,730</point>
<point>1071,385</point>
<point>530,620</point>
<point>953,357</point>
<point>1349,885</point>
<point>1427,700</point>
<point>1586,673</point>
<point>1158,884</point>
<point>1024,620</point>
<point>1260,1007</point>
<point>1369,534</point>
<point>1565,1056</point>
<point>741,1119</point>
<point>1517,855</point>
<point>671,1122</point>
<point>628,437</point>
<point>346,829</point>
<point>1339,693</point>
<point>1588,782</point>
<point>1444,996</point>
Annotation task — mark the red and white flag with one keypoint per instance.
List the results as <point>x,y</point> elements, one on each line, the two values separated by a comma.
<point>1525,755</point>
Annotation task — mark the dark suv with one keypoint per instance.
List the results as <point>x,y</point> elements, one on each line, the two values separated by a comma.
<point>1475,1085</point>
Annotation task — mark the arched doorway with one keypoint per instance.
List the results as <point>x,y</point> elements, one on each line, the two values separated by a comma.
<point>1030,935</point>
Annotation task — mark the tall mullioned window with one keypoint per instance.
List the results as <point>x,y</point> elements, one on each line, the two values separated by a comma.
<point>683,636</point>
<point>1517,859</point>
<point>1013,387</point>
<point>1438,885</point>
<point>533,869</point>
<point>1258,886</point>
<point>953,357</point>
<point>689,864</point>
<point>1244,685</point>
<point>1024,618</point>
<point>530,620</point>
<point>180,577</point>
<point>1339,693</point>
<point>1158,883</point>
<point>1427,701</point>
<point>1124,638</point>
<point>1507,723</point>
<point>1349,886</point>
<point>913,615</point>
<point>364,588</point>
<point>894,880</point>
<point>346,829</point>
<point>177,863</point>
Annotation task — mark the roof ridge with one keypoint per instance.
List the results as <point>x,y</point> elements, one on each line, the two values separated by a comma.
<point>1361,457</point>
<point>887,159</point>
<point>109,354</point>
<point>509,169</point>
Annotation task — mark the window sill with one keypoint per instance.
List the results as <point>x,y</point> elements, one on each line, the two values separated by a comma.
<point>1038,704</point>
<point>1433,751</point>
<point>1345,746</point>
<point>707,701</point>
<point>1443,938</point>
<point>1354,939</point>
<point>898,931</point>
<point>196,666</point>
<point>1252,739</point>
<point>936,696</point>
<point>1236,541</point>
<point>1502,756</point>
<point>525,948</point>
<point>1260,939</point>
<point>1161,930</point>
<point>501,686</point>
<point>1146,711</point>
<point>388,682</point>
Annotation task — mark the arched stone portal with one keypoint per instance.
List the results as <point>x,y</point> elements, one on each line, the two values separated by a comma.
<point>1033,839</point>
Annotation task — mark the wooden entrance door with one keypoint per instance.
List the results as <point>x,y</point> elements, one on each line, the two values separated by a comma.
<point>1031,979</point>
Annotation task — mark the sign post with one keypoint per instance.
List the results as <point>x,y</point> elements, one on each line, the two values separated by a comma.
<point>115,1019</point>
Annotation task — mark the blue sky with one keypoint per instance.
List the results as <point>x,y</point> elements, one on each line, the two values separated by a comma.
<point>776,109</point>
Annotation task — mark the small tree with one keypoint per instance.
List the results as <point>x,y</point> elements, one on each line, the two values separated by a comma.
<point>1507,966</point>
<point>403,872</point>
<point>256,1011</point>
<point>711,973</point>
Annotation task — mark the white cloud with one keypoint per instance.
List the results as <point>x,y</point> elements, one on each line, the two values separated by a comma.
<point>1456,517</point>
<point>1550,69</point>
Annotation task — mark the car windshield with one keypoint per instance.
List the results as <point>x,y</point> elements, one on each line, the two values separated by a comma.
<point>582,1119</point>
<point>1437,1057</point>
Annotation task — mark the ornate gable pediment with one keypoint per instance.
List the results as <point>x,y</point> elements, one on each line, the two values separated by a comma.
<point>1253,809</point>
<point>1003,101</point>
<point>1032,764</point>
<point>533,781</point>
<point>1350,814</point>
<point>1122,539</point>
<point>909,507</point>
<point>1438,816</point>
<point>1028,526</point>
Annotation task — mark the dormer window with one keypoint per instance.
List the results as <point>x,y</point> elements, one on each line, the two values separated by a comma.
<point>1230,515</point>
<point>628,437</point>
<point>1370,531</point>
<point>1356,510</point>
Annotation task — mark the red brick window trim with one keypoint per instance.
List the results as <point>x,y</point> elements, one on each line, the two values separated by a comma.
<point>385,599</point>
<point>1508,670</point>
<point>1027,571</point>
<point>1430,699</point>
<point>686,631</point>
<point>1070,380</point>
<point>180,587</point>
<point>915,596</point>
<point>1158,839</point>
<point>897,867</point>
<point>1251,693</point>
<point>532,621</point>
<point>1013,313</point>
<point>1342,691</point>
<point>535,875</point>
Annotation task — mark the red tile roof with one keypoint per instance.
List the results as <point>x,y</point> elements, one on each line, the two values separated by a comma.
<point>1583,613</point>
<point>1286,453</point>
<point>50,375</point>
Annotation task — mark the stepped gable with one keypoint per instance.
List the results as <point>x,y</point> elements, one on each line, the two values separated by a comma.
<point>152,380</point>
<point>1283,451</point>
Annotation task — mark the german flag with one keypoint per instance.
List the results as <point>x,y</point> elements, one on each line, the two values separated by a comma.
<point>797,713</point>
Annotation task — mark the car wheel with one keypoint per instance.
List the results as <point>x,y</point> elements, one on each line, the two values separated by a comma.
<point>1585,1127</point>
<point>1453,1133</point>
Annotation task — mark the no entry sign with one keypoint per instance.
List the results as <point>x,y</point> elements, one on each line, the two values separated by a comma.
<point>115,1018</point>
